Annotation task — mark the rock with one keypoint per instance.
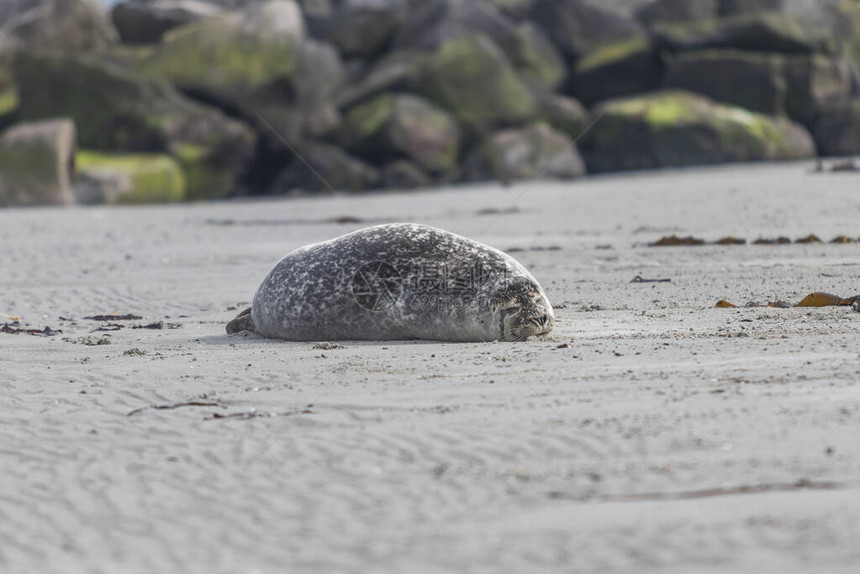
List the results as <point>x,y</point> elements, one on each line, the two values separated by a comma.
<point>395,72</point>
<point>674,11</point>
<point>333,169</point>
<point>436,22</point>
<point>534,57</point>
<point>563,113</point>
<point>139,178</point>
<point>794,84</point>
<point>678,128</point>
<point>403,126</point>
<point>837,129</point>
<point>473,79</point>
<point>322,74</point>
<point>244,63</point>
<point>403,175</point>
<point>750,80</point>
<point>533,152</point>
<point>578,27</point>
<point>767,32</point>
<point>146,22</point>
<point>814,82</point>
<point>61,25</point>
<point>629,67</point>
<point>36,160</point>
<point>119,111</point>
<point>363,28</point>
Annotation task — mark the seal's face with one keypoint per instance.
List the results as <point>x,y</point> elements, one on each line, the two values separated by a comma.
<point>523,312</point>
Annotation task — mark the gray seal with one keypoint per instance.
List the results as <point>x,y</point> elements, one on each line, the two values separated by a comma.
<point>394,282</point>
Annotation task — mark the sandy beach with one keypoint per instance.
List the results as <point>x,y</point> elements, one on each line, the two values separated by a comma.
<point>651,432</point>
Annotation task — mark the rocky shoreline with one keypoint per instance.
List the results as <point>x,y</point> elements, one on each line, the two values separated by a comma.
<point>171,100</point>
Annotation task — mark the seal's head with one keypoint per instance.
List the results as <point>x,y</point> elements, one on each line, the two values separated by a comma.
<point>523,310</point>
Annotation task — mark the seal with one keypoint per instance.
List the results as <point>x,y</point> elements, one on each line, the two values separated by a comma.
<point>394,282</point>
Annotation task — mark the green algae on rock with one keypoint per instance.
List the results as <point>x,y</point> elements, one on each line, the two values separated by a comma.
<point>128,178</point>
<point>678,128</point>
<point>472,78</point>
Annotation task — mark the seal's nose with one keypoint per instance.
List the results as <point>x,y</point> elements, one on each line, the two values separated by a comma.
<point>543,320</point>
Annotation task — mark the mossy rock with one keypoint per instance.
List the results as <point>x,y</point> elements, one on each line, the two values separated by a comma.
<point>581,27</point>
<point>678,128</point>
<point>813,83</point>
<point>118,111</point>
<point>533,152</point>
<point>619,69</point>
<point>535,58</point>
<point>797,85</point>
<point>35,163</point>
<point>220,58</point>
<point>394,126</point>
<point>765,32</point>
<point>473,79</point>
<point>138,178</point>
<point>750,80</point>
<point>563,113</point>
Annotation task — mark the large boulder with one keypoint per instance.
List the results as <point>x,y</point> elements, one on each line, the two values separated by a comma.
<point>146,22</point>
<point>72,25</point>
<point>362,28</point>
<point>837,129</point>
<point>765,32</point>
<point>678,128</point>
<point>535,58</point>
<point>436,22</point>
<point>563,113</point>
<point>244,62</point>
<point>628,67</point>
<point>578,27</point>
<point>322,75</point>
<point>473,79</point>
<point>323,168</point>
<point>771,83</point>
<point>36,159</point>
<point>751,80</point>
<point>814,82</point>
<point>127,178</point>
<point>118,111</point>
<point>535,151</point>
<point>403,126</point>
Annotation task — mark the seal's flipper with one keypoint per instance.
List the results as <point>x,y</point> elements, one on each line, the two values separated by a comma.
<point>242,322</point>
